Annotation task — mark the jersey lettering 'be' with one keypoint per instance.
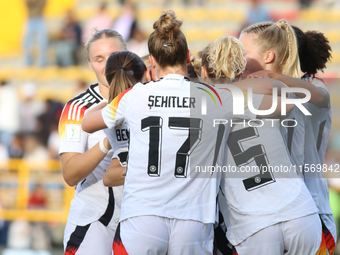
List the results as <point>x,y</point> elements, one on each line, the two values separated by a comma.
<point>122,134</point>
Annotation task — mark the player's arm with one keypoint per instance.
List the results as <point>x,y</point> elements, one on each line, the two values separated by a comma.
<point>110,116</point>
<point>93,119</point>
<point>115,174</point>
<point>319,96</point>
<point>260,86</point>
<point>77,166</point>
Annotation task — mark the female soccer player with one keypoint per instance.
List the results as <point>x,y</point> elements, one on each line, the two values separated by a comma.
<point>123,70</point>
<point>260,208</point>
<point>169,199</point>
<point>92,219</point>
<point>314,53</point>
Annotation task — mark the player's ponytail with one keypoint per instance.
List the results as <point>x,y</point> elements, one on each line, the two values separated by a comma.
<point>290,60</point>
<point>167,43</point>
<point>314,50</point>
<point>123,70</point>
<point>280,38</point>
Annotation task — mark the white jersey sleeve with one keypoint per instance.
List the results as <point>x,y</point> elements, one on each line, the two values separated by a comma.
<point>72,137</point>
<point>118,136</point>
<point>114,113</point>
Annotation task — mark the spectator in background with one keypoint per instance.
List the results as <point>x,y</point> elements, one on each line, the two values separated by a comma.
<point>3,228</point>
<point>3,154</point>
<point>35,31</point>
<point>138,42</point>
<point>47,119</point>
<point>40,232</point>
<point>100,21</point>
<point>34,150</point>
<point>124,24</point>
<point>9,112</point>
<point>53,142</point>
<point>19,234</point>
<point>66,48</point>
<point>38,199</point>
<point>17,146</point>
<point>197,2</point>
<point>257,13</point>
<point>305,4</point>
<point>30,109</point>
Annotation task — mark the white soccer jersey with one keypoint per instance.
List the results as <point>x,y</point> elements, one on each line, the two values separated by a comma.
<point>318,127</point>
<point>92,201</point>
<point>251,200</point>
<point>171,144</point>
<point>294,137</point>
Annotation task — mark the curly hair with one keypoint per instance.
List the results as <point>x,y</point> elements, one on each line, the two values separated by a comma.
<point>224,58</point>
<point>314,50</point>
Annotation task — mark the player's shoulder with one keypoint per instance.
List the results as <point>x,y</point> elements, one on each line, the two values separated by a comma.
<point>140,88</point>
<point>149,83</point>
<point>75,108</point>
<point>165,79</point>
<point>91,95</point>
<point>319,82</point>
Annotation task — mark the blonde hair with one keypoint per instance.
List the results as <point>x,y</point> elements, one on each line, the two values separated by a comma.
<point>104,33</point>
<point>167,43</point>
<point>146,60</point>
<point>223,58</point>
<point>197,62</point>
<point>280,38</point>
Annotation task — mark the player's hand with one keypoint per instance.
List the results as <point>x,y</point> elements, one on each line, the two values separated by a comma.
<point>244,74</point>
<point>124,173</point>
<point>107,143</point>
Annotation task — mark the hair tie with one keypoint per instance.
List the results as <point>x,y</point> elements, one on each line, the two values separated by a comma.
<point>168,44</point>
<point>280,22</point>
<point>130,73</point>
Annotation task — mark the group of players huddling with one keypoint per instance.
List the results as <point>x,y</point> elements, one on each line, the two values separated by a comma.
<point>141,127</point>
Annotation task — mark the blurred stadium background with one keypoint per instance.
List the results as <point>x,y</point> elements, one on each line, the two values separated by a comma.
<point>34,200</point>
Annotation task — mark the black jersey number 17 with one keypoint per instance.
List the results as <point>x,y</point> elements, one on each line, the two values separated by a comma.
<point>154,125</point>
